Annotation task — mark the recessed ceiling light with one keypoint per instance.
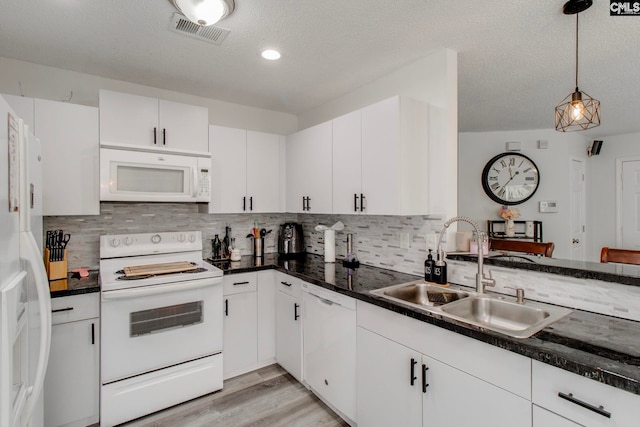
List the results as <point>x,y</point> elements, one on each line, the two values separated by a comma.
<point>271,54</point>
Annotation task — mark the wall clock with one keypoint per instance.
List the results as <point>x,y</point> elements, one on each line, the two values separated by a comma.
<point>510,178</point>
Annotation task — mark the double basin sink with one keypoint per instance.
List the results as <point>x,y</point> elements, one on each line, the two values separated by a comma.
<point>492,312</point>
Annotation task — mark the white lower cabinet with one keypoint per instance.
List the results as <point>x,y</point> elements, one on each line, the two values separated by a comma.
<point>329,347</point>
<point>72,383</point>
<point>289,325</point>
<point>400,382</point>
<point>585,401</point>
<point>240,345</point>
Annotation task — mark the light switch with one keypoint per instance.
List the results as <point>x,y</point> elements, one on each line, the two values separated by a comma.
<point>549,206</point>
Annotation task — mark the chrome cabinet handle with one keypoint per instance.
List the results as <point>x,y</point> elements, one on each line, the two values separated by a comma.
<point>597,409</point>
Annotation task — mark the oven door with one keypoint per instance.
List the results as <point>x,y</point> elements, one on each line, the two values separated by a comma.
<point>152,327</point>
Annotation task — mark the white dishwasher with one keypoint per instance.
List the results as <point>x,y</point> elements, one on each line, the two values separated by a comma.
<point>329,321</point>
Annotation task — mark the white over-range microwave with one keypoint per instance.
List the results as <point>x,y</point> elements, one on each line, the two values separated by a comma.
<point>152,176</point>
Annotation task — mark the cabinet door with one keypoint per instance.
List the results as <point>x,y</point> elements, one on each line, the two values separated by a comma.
<point>266,316</point>
<point>128,119</point>
<point>240,333</point>
<point>228,148</point>
<point>289,334</point>
<point>263,172</point>
<point>389,389</point>
<point>347,164</point>
<point>380,157</point>
<point>544,418</point>
<point>71,386</point>
<point>456,398</point>
<point>309,170</point>
<point>183,126</point>
<point>70,151</point>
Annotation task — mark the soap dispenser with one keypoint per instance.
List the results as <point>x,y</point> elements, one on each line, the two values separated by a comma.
<point>429,263</point>
<point>440,269</point>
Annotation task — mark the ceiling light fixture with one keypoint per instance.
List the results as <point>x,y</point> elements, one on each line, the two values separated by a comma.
<point>271,54</point>
<point>205,12</point>
<point>578,111</point>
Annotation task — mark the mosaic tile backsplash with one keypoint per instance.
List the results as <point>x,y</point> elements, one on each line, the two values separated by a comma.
<point>392,242</point>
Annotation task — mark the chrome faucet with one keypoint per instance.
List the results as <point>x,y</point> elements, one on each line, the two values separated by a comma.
<point>481,279</point>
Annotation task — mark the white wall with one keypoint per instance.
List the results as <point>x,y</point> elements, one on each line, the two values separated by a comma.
<point>39,81</point>
<point>601,185</point>
<point>433,80</point>
<point>477,148</point>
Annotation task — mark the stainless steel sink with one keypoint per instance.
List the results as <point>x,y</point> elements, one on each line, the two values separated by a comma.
<point>501,315</point>
<point>488,311</point>
<point>421,294</point>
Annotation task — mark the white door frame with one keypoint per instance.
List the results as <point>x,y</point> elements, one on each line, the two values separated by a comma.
<point>619,162</point>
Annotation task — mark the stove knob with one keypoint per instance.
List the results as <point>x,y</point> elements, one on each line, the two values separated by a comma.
<point>192,238</point>
<point>128,241</point>
<point>181,238</point>
<point>114,243</point>
<point>155,238</point>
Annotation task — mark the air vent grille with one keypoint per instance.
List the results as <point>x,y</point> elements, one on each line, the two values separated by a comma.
<point>210,34</point>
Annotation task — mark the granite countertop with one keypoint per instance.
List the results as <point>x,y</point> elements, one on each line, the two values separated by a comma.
<point>75,285</point>
<point>626,274</point>
<point>603,348</point>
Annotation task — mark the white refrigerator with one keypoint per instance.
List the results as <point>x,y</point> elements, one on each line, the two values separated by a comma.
<point>25,303</point>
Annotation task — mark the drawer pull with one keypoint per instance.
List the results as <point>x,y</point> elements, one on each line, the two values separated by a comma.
<point>286,284</point>
<point>597,409</point>
<point>58,310</point>
<point>414,362</point>
<point>240,283</point>
<point>425,368</point>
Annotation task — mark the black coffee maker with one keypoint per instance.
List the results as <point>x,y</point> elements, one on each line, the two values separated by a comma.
<point>290,239</point>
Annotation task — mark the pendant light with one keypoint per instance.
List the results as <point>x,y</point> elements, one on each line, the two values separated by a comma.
<point>578,111</point>
<point>204,12</point>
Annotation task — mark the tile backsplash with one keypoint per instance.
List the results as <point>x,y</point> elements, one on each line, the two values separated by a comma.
<point>376,238</point>
<point>391,242</point>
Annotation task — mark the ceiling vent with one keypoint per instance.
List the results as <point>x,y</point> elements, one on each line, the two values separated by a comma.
<point>211,34</point>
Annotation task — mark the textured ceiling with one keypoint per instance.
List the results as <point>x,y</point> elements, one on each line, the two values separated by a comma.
<point>515,58</point>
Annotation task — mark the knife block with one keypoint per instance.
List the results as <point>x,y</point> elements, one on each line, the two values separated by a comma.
<point>55,269</point>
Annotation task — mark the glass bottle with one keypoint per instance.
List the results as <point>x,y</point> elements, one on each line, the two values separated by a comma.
<point>216,247</point>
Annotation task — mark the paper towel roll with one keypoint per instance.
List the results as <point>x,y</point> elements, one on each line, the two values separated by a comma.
<point>329,246</point>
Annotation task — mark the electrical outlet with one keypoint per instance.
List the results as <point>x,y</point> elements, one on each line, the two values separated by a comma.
<point>405,240</point>
<point>432,240</point>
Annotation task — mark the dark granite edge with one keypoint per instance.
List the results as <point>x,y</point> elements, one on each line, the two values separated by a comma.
<point>573,361</point>
<point>543,266</point>
<point>70,292</point>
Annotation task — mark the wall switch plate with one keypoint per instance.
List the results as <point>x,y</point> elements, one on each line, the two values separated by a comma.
<point>543,144</point>
<point>405,240</point>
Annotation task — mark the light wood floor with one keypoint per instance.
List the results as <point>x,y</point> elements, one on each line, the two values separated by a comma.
<point>266,397</point>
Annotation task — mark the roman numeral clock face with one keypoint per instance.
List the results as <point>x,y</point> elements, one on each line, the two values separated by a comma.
<point>510,178</point>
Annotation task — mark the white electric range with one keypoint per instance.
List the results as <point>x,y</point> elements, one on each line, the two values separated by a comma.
<point>161,332</point>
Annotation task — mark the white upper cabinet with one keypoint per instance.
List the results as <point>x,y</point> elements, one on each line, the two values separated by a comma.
<point>70,152</point>
<point>309,170</point>
<point>245,170</point>
<point>139,120</point>
<point>347,164</point>
<point>395,150</point>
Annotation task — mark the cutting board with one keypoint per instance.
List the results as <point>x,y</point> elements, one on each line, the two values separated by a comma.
<point>153,269</point>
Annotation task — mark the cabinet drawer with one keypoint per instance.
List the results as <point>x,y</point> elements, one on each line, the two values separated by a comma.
<point>289,285</point>
<point>239,283</point>
<point>582,400</point>
<point>75,307</point>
